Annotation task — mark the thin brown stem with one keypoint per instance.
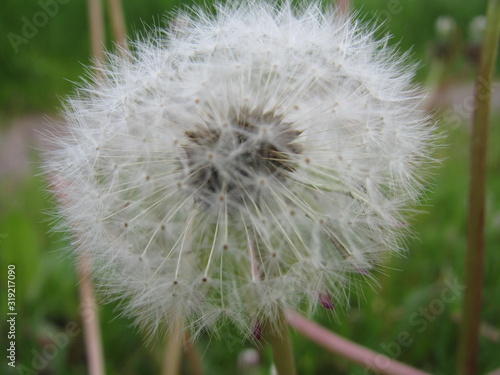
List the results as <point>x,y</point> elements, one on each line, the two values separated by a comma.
<point>96,26</point>
<point>174,349</point>
<point>278,336</point>
<point>474,263</point>
<point>118,23</point>
<point>90,319</point>
<point>193,355</point>
<point>348,349</point>
<point>88,310</point>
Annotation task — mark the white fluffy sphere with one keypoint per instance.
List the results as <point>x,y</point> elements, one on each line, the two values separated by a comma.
<point>241,163</point>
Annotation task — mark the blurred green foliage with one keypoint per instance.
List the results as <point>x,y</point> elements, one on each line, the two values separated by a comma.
<point>408,302</point>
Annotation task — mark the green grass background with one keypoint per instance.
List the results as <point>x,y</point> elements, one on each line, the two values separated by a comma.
<point>406,304</point>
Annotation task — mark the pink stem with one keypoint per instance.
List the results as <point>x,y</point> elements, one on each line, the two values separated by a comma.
<point>92,331</point>
<point>343,6</point>
<point>348,349</point>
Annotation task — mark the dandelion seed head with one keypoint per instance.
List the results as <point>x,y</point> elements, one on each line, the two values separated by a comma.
<point>242,163</point>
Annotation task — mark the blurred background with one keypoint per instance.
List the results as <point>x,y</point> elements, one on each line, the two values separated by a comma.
<point>412,315</point>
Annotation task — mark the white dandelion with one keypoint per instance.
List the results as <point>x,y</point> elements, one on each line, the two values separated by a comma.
<point>242,163</point>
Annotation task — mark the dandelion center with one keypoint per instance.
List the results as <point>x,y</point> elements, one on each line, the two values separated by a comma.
<point>233,158</point>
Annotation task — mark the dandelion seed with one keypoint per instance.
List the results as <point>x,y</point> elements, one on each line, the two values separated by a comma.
<point>241,164</point>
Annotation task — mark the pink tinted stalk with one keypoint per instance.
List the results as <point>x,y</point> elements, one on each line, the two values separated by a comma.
<point>90,318</point>
<point>348,349</point>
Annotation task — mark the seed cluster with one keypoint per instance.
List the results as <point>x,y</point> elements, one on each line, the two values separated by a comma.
<point>222,159</point>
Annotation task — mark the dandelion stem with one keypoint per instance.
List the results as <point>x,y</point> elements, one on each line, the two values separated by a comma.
<point>118,22</point>
<point>347,349</point>
<point>96,24</point>
<point>278,336</point>
<point>193,355</point>
<point>90,316</point>
<point>173,353</point>
<point>343,6</point>
<point>469,339</point>
<point>90,320</point>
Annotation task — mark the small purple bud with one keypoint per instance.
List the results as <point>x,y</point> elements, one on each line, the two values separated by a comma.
<point>257,330</point>
<point>362,270</point>
<point>326,301</point>
<point>400,224</point>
